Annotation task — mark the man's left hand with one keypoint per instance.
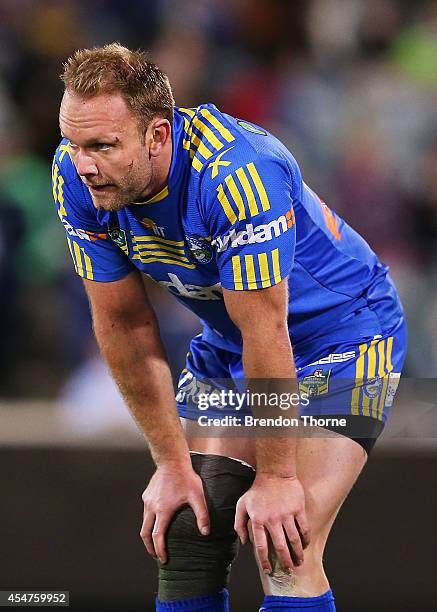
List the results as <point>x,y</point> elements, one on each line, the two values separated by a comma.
<point>276,507</point>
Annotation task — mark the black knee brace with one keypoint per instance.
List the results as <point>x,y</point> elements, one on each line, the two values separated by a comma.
<point>198,565</point>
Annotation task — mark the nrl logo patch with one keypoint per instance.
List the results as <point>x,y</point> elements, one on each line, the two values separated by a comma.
<point>118,236</point>
<point>316,383</point>
<point>199,248</point>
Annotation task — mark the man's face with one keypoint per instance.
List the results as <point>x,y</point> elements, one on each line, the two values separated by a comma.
<point>108,149</point>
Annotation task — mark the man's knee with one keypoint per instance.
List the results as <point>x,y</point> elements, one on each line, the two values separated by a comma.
<point>199,565</point>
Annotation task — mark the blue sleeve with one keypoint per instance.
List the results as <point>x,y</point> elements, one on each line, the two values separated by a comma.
<point>95,256</point>
<point>250,216</point>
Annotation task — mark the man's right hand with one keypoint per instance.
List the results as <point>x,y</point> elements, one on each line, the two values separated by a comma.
<point>171,487</point>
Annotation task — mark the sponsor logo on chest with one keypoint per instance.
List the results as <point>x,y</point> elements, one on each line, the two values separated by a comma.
<point>252,234</point>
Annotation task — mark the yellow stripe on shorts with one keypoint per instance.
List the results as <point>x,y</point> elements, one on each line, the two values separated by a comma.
<point>359,376</point>
<point>371,369</point>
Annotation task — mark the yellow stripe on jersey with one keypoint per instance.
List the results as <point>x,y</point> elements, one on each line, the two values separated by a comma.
<point>150,245</point>
<point>175,262</point>
<point>247,207</point>
<point>137,239</point>
<point>248,192</point>
<point>236,267</point>
<point>359,376</point>
<point>84,269</point>
<point>88,265</point>
<point>276,266</point>
<point>263,263</point>
<point>208,133</point>
<point>58,189</point>
<point>201,148</point>
<point>193,145</point>
<point>247,275</point>
<point>64,149</point>
<point>236,196</point>
<point>145,252</point>
<point>371,369</point>
<point>223,131</point>
<point>77,253</point>
<point>156,198</point>
<point>229,212</point>
<point>197,164</point>
<point>259,186</point>
<point>72,254</point>
<point>250,271</point>
<point>189,111</point>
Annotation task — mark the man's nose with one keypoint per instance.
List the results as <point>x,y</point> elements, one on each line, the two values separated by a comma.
<point>85,164</point>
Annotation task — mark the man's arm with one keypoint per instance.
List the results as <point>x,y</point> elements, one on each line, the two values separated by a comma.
<point>128,336</point>
<point>275,501</point>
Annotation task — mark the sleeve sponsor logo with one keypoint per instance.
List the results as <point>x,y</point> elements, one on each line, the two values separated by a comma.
<point>81,233</point>
<point>255,234</point>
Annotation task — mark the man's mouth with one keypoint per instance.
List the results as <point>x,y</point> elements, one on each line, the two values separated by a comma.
<point>98,188</point>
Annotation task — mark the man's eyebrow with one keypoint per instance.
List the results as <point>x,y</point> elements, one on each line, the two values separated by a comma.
<point>93,141</point>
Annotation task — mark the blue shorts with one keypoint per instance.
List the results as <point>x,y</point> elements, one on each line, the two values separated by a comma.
<point>356,381</point>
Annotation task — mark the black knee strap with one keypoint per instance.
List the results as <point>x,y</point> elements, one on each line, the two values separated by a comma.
<point>199,565</point>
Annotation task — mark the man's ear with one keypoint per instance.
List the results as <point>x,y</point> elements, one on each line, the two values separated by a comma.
<point>158,134</point>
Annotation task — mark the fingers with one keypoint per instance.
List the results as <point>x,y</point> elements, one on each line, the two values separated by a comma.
<point>146,532</point>
<point>198,504</point>
<point>303,528</point>
<point>281,546</point>
<point>294,541</point>
<point>261,547</point>
<point>158,534</point>
<point>240,523</point>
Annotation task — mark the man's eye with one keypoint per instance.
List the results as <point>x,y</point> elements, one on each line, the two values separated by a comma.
<point>101,146</point>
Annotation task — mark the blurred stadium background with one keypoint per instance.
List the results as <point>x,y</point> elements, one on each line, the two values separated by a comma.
<point>351,87</point>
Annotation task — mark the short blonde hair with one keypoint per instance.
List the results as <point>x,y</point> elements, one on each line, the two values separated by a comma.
<point>116,69</point>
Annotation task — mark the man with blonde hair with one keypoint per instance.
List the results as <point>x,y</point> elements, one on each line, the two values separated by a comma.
<point>215,210</point>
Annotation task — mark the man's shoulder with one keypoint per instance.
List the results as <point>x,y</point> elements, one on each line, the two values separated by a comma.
<point>63,164</point>
<point>224,148</point>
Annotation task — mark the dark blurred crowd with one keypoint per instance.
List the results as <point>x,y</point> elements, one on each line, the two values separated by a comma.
<point>349,85</point>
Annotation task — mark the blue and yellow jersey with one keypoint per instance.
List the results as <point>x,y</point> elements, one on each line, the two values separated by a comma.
<point>235,213</point>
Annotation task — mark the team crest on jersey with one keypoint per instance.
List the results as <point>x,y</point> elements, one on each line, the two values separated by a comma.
<point>373,387</point>
<point>252,128</point>
<point>316,383</point>
<point>199,248</point>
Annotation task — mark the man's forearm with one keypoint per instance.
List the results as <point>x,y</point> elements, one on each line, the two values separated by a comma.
<point>137,361</point>
<point>271,363</point>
